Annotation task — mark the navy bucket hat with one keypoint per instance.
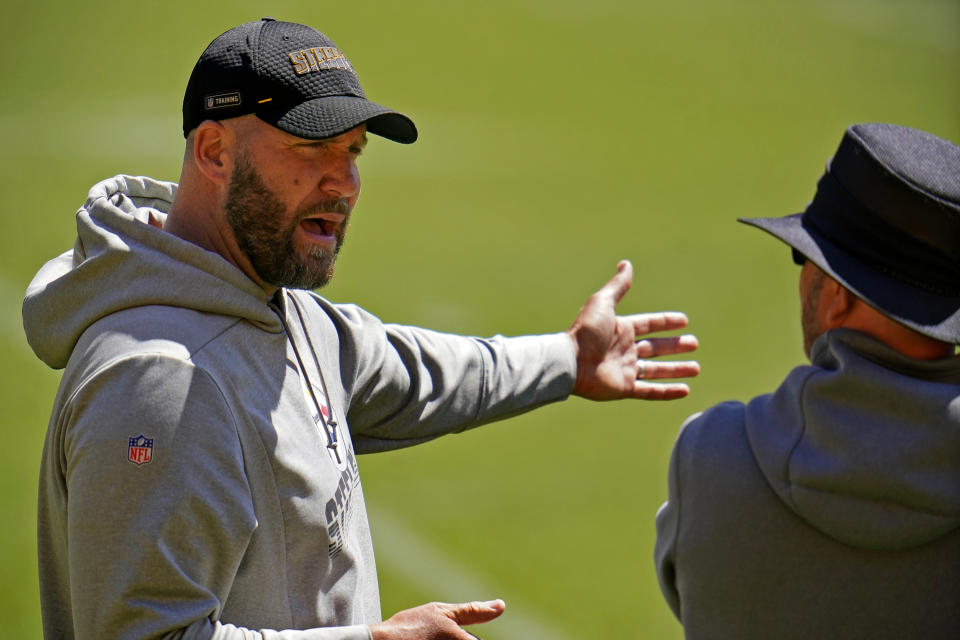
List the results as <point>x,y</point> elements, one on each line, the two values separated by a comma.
<point>292,77</point>
<point>885,223</point>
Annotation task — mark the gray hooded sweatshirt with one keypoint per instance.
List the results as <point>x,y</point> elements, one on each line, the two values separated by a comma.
<point>828,509</point>
<point>199,477</point>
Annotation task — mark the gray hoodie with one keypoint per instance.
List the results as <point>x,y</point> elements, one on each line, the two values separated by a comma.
<point>199,477</point>
<point>828,509</point>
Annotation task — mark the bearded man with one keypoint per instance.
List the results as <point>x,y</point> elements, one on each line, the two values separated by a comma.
<point>199,476</point>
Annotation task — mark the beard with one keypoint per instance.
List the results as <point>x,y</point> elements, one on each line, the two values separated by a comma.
<point>809,311</point>
<point>264,231</point>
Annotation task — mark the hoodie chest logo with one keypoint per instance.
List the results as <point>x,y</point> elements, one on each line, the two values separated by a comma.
<point>329,430</point>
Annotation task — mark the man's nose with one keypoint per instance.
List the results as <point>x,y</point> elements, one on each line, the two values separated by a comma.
<point>341,179</point>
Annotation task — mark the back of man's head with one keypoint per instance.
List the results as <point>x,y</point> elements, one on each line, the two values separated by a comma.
<point>826,304</point>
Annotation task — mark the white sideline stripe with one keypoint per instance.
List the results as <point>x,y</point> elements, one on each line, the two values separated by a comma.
<point>400,549</point>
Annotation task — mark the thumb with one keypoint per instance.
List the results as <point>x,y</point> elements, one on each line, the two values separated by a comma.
<point>619,284</point>
<point>475,612</point>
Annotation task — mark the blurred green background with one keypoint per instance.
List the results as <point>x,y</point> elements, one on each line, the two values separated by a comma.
<point>557,137</point>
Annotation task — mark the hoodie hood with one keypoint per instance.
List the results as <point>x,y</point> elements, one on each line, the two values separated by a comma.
<point>866,446</point>
<point>120,261</point>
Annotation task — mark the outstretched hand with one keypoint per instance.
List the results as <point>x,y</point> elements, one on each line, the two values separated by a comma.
<point>612,354</point>
<point>436,621</point>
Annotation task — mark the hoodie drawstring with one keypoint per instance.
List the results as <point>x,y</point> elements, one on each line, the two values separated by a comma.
<point>329,424</point>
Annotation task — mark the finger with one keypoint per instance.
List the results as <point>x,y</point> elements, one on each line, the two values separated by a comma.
<point>644,323</point>
<point>617,286</point>
<point>474,612</point>
<point>652,347</point>
<point>657,370</point>
<point>648,391</point>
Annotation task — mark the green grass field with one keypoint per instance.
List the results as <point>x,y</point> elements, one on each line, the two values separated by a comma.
<point>557,137</point>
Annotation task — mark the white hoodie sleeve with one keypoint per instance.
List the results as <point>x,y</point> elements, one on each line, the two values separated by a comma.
<point>408,385</point>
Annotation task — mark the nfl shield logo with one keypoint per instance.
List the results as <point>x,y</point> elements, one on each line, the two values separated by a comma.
<point>140,450</point>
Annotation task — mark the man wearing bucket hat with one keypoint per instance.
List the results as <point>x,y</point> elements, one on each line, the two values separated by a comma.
<point>199,477</point>
<point>831,507</point>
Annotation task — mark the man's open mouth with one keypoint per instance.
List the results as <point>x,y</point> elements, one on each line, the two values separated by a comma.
<point>318,226</point>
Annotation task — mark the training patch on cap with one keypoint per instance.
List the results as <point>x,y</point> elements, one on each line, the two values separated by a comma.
<point>317,58</point>
<point>222,100</point>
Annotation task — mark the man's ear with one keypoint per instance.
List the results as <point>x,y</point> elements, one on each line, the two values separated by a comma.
<point>837,304</point>
<point>213,146</point>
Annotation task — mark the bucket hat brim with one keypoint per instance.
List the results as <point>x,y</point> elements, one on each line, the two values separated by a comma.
<point>932,314</point>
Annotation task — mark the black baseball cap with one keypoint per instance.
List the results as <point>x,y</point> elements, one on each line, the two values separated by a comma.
<point>885,223</point>
<point>292,77</point>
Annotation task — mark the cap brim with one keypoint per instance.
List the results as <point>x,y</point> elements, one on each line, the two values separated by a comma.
<point>330,116</point>
<point>934,315</point>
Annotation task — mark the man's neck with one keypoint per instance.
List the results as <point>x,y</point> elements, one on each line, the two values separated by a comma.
<point>191,219</point>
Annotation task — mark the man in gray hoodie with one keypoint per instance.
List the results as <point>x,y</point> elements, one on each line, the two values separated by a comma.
<point>199,476</point>
<point>831,507</point>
